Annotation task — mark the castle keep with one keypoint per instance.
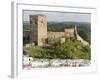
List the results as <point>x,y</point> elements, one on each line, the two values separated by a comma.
<point>38,24</point>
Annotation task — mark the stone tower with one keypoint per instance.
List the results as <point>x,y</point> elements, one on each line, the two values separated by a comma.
<point>38,25</point>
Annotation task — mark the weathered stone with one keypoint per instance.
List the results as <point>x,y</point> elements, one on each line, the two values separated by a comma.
<point>38,29</point>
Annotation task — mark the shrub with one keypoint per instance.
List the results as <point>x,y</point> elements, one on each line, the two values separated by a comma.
<point>71,49</point>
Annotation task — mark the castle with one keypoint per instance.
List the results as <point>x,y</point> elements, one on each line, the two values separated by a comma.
<point>38,31</point>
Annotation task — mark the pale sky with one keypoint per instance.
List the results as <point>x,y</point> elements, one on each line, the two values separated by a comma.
<point>60,16</point>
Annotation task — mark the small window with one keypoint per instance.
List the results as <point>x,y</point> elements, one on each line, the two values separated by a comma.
<point>35,22</point>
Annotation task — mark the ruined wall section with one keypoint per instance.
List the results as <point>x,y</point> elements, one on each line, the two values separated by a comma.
<point>68,34</point>
<point>55,34</point>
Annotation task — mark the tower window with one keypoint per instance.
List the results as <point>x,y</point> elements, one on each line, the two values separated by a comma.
<point>35,22</point>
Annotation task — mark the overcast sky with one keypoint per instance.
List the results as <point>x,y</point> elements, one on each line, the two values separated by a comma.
<point>59,16</point>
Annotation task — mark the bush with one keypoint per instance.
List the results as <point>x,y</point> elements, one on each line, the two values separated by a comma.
<point>71,49</point>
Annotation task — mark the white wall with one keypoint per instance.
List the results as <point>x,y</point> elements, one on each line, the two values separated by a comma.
<point>5,38</point>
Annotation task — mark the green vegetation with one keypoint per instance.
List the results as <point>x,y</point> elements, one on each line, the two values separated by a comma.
<point>39,53</point>
<point>85,35</point>
<point>71,49</point>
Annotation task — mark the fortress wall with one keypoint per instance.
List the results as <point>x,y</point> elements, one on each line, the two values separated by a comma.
<point>52,36</point>
<point>55,34</point>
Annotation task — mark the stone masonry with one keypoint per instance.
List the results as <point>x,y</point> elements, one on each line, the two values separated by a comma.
<point>38,29</point>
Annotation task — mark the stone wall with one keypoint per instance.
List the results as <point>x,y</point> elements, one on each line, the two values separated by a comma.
<point>55,34</point>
